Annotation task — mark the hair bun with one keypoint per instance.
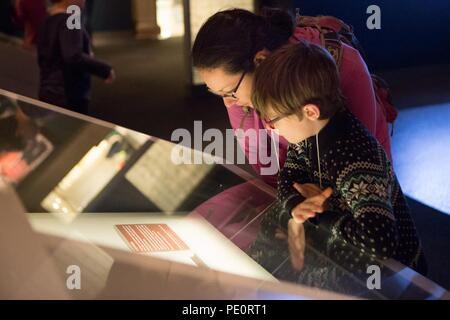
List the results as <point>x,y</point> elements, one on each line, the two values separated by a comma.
<point>279,21</point>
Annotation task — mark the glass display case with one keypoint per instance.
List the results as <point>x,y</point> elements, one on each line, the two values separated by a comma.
<point>116,204</point>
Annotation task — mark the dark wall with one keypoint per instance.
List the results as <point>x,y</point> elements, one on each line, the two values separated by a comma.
<point>112,15</point>
<point>7,20</point>
<point>284,4</point>
<point>412,32</point>
<point>106,15</point>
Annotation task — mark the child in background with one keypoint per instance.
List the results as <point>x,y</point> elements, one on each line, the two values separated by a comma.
<point>66,61</point>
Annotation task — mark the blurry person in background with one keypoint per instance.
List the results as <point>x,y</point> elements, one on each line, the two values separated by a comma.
<point>88,16</point>
<point>66,60</point>
<point>31,14</point>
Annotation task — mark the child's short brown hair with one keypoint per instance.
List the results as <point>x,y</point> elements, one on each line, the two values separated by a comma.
<point>296,75</point>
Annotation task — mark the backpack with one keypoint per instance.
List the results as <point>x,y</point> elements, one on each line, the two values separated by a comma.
<point>334,32</point>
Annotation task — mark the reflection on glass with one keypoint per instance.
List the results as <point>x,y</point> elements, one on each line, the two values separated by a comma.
<point>115,189</point>
<point>162,181</point>
<point>95,170</point>
<point>22,147</point>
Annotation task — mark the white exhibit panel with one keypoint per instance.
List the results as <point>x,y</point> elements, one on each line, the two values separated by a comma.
<point>206,246</point>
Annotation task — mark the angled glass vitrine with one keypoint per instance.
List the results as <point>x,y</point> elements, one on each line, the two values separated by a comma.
<point>117,204</point>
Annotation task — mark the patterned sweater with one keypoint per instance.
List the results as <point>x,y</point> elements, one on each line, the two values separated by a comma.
<point>367,211</point>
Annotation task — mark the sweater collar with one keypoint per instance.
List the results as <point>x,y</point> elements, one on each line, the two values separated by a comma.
<point>331,132</point>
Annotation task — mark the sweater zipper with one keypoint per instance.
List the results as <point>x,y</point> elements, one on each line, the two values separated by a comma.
<point>318,161</point>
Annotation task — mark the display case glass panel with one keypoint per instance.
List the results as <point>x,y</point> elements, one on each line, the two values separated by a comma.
<point>112,189</point>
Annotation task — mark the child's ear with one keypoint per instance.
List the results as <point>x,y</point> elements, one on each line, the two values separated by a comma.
<point>311,111</point>
<point>260,56</point>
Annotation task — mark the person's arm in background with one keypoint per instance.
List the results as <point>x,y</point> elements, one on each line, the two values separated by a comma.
<point>357,88</point>
<point>71,45</point>
<point>20,12</point>
<point>248,119</point>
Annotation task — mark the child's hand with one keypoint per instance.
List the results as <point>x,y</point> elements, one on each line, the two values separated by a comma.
<point>296,241</point>
<point>311,206</point>
<point>295,237</point>
<point>308,190</point>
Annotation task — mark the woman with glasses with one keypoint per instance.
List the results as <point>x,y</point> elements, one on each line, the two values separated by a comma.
<point>226,52</point>
<point>232,43</point>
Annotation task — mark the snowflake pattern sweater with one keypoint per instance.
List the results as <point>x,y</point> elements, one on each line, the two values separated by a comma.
<point>367,211</point>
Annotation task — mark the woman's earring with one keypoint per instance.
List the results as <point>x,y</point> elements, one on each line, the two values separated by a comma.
<point>260,57</point>
<point>258,61</point>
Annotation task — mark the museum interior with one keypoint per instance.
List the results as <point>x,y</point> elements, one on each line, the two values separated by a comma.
<point>109,191</point>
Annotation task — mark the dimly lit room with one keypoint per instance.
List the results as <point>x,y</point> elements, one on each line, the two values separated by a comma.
<point>224,150</point>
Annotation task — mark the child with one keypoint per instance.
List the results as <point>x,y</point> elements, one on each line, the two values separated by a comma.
<point>344,182</point>
<point>66,61</point>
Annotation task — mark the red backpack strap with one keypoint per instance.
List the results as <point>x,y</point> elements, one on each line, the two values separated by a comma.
<point>333,44</point>
<point>383,95</point>
<point>329,28</point>
<point>329,23</point>
<point>334,32</point>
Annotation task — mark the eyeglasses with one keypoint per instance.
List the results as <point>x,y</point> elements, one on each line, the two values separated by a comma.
<point>271,122</point>
<point>232,94</point>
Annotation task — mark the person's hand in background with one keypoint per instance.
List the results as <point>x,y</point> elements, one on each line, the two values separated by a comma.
<point>111,78</point>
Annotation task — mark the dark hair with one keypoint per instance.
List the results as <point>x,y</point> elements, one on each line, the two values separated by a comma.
<point>296,75</point>
<point>9,140</point>
<point>231,38</point>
